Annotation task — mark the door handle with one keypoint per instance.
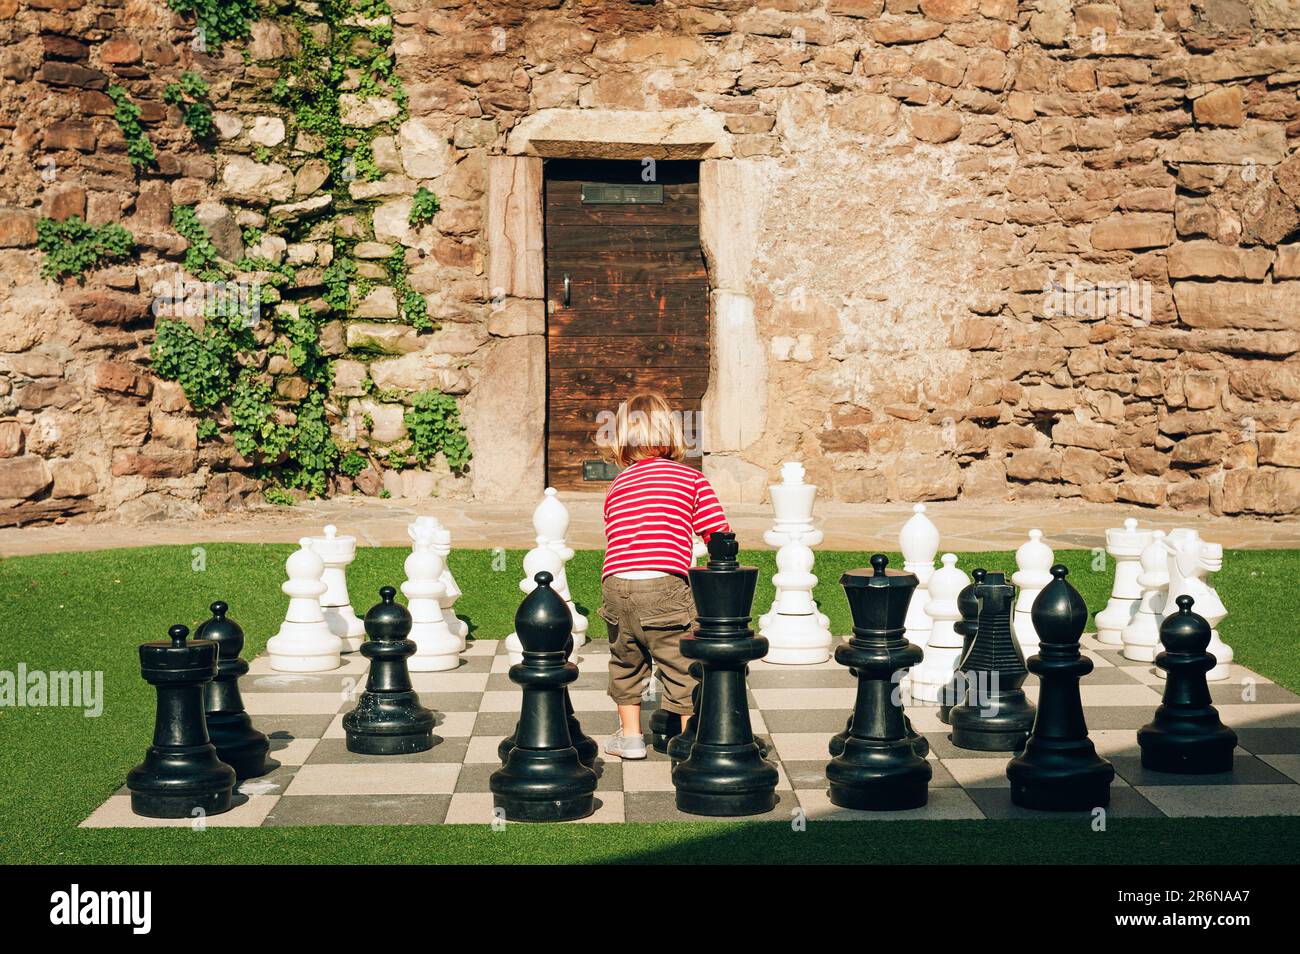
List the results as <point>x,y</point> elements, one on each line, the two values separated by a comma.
<point>566,289</point>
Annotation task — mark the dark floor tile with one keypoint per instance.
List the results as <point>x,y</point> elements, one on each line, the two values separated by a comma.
<point>294,810</point>
<point>1124,803</point>
<point>1246,770</point>
<point>335,752</point>
<point>662,806</point>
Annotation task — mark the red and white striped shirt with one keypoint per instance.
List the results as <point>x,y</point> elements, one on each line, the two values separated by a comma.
<point>653,510</point>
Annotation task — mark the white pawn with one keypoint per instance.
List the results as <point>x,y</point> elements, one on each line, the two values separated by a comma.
<point>1142,635</point>
<point>437,648</point>
<point>794,633</point>
<point>450,588</point>
<point>943,648</point>
<point>535,561</point>
<point>304,642</point>
<point>1125,545</point>
<point>1034,571</point>
<point>338,553</point>
<point>919,542</point>
<point>1191,559</point>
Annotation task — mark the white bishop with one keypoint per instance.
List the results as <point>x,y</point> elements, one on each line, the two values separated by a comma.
<point>304,642</point>
<point>919,542</point>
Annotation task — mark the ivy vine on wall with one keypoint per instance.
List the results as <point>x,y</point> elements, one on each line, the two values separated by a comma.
<point>222,364</point>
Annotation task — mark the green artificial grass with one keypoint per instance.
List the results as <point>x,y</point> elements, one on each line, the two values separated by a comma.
<point>89,611</point>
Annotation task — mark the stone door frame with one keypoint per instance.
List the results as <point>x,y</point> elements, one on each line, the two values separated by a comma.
<point>506,410</point>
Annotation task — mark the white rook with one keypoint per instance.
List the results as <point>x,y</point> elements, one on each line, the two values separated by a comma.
<point>1125,544</point>
<point>437,648</point>
<point>338,553</point>
<point>304,642</point>
<point>1142,635</point>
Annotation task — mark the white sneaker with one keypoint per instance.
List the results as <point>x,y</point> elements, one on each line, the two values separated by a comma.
<point>626,746</point>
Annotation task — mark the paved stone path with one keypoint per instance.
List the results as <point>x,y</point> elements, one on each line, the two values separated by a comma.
<point>318,782</point>
<point>965,527</point>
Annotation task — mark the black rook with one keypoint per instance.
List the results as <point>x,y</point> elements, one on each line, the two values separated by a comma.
<point>238,744</point>
<point>879,768</point>
<point>542,778</point>
<point>181,776</point>
<point>1059,769</point>
<point>1186,735</point>
<point>994,715</point>
<point>724,773</point>
<point>388,718</point>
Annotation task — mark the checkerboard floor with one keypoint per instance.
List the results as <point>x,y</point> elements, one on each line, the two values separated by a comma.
<point>318,782</point>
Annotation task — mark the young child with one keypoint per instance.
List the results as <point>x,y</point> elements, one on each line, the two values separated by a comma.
<point>653,511</point>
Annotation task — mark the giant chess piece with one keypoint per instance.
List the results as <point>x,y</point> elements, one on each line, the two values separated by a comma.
<point>1059,770</point>
<point>540,559</point>
<point>943,648</point>
<point>918,541</point>
<point>337,553</point>
<point>794,631</point>
<point>1191,559</point>
<point>968,608</point>
<point>792,507</point>
<point>585,744</point>
<point>543,778</point>
<point>878,770</point>
<point>1141,637</point>
<point>451,591</point>
<point>551,524</point>
<point>1125,544</point>
<point>388,718</point>
<point>437,649</point>
<point>238,744</point>
<point>1033,572</point>
<point>181,776</point>
<point>994,715</point>
<point>725,773</point>
<point>305,642</point>
<point>679,746</point>
<point>1186,736</point>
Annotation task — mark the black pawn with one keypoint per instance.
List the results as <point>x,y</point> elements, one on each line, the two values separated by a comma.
<point>679,746</point>
<point>388,718</point>
<point>969,607</point>
<point>542,778</point>
<point>1059,770</point>
<point>585,744</point>
<point>724,773</point>
<point>879,769</point>
<point>994,715</point>
<point>238,744</point>
<point>181,776</point>
<point>1186,735</point>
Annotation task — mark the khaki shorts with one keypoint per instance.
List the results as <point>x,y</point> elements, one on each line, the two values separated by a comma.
<point>647,620</point>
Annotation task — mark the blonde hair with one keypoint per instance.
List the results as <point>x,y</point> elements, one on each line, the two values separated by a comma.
<point>646,425</point>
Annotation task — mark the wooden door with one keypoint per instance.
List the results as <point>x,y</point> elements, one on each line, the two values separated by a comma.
<point>636,311</point>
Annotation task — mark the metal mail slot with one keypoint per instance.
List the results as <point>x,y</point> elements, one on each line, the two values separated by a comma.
<point>608,193</point>
<point>598,470</point>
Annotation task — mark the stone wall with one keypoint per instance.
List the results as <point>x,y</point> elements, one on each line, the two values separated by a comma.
<point>984,250</point>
